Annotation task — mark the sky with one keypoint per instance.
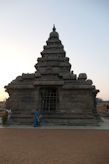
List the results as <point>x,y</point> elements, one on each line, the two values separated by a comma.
<point>83,27</point>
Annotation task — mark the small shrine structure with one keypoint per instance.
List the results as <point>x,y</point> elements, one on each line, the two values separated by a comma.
<point>61,97</point>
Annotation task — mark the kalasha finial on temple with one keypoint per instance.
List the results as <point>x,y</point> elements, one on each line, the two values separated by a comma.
<point>54,29</point>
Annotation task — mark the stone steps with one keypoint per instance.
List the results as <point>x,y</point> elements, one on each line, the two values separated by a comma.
<point>23,120</point>
<point>56,119</point>
<point>70,121</point>
<point>22,117</point>
<point>68,115</point>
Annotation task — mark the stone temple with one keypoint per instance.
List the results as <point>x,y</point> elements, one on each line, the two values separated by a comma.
<point>61,97</point>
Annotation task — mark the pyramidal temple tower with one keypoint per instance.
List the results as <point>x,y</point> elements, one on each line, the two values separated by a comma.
<point>61,97</point>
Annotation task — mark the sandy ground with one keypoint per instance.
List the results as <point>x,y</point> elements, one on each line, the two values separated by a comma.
<point>46,146</point>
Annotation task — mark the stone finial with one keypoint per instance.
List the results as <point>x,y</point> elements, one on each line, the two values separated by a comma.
<point>54,28</point>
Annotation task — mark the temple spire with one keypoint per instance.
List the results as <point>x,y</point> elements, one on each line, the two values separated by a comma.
<point>54,28</point>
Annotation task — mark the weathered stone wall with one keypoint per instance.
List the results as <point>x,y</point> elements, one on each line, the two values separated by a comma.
<point>22,100</point>
<point>76,101</point>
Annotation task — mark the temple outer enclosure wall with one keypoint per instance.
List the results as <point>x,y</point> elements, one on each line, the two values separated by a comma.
<point>61,96</point>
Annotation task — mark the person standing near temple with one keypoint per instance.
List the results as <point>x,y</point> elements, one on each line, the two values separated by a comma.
<point>37,119</point>
<point>9,115</point>
<point>5,117</point>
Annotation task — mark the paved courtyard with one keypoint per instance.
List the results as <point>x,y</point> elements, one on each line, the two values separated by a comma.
<point>58,146</point>
<point>54,145</point>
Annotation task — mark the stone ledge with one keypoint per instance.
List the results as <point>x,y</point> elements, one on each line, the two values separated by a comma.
<point>49,83</point>
<point>73,86</point>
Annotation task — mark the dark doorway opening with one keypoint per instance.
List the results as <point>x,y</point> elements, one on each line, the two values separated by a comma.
<point>48,99</point>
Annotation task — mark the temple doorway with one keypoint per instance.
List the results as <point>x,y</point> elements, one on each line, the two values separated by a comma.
<point>48,99</point>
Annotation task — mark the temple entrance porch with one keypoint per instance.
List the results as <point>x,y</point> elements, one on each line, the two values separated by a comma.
<point>48,99</point>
